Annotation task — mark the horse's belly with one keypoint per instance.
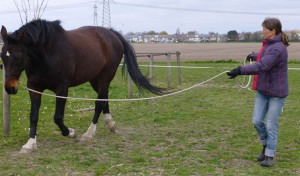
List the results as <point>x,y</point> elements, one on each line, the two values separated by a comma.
<point>83,76</point>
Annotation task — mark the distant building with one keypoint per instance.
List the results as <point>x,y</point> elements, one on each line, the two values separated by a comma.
<point>188,38</point>
<point>193,38</point>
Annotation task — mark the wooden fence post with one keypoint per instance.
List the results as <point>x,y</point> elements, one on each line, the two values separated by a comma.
<point>178,66</point>
<point>129,86</point>
<point>169,69</point>
<point>151,67</point>
<point>6,108</point>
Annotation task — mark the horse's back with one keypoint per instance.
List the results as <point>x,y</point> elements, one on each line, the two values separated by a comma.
<point>92,36</point>
<point>94,48</point>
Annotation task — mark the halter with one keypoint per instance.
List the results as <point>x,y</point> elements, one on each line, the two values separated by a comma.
<point>11,74</point>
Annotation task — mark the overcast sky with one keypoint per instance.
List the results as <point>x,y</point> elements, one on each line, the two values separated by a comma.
<point>203,16</point>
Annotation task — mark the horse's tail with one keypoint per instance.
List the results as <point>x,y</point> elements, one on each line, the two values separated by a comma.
<point>132,67</point>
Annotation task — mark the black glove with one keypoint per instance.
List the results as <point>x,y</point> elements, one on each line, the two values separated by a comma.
<point>249,57</point>
<point>233,73</point>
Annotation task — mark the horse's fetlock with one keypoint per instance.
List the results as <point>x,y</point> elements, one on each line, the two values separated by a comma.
<point>57,121</point>
<point>65,132</point>
<point>72,133</point>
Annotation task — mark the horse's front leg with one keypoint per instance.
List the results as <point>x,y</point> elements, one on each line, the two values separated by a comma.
<point>59,116</point>
<point>31,145</point>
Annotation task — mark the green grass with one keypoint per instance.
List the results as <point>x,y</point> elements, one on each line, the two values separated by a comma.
<point>203,131</point>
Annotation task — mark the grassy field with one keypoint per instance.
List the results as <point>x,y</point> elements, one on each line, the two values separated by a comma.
<point>205,131</point>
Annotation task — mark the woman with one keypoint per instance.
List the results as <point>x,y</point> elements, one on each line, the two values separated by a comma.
<point>271,83</point>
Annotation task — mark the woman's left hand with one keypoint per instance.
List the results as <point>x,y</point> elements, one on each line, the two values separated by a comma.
<point>233,73</point>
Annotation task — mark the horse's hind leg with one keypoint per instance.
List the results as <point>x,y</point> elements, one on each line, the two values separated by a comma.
<point>101,84</point>
<point>111,125</point>
<point>99,107</point>
<point>92,129</point>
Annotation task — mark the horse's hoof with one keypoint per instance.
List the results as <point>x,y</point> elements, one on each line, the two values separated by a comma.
<point>90,133</point>
<point>85,138</point>
<point>112,127</point>
<point>30,146</point>
<point>72,133</point>
<point>25,151</point>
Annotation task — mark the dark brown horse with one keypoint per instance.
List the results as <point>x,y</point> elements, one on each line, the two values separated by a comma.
<point>56,59</point>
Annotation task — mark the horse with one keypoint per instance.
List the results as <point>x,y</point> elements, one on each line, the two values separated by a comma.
<point>56,59</point>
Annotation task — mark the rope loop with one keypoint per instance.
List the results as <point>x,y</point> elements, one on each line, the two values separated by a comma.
<point>242,86</point>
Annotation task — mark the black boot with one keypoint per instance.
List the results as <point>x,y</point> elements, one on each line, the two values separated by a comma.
<point>261,157</point>
<point>268,161</point>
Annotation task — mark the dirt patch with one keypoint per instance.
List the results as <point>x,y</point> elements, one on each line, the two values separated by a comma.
<point>238,163</point>
<point>298,171</point>
<point>208,51</point>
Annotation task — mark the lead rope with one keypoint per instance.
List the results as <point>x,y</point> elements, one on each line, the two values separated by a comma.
<point>149,98</point>
<point>134,99</point>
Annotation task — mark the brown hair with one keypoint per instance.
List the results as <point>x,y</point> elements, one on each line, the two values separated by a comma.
<point>274,23</point>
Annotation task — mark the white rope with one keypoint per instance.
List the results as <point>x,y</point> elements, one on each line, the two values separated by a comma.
<point>294,68</point>
<point>158,66</point>
<point>134,99</point>
<point>161,66</point>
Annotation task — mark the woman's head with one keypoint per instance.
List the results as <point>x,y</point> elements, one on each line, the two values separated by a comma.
<point>271,28</point>
<point>272,24</point>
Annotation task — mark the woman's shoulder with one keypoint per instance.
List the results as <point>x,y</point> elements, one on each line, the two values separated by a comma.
<point>277,45</point>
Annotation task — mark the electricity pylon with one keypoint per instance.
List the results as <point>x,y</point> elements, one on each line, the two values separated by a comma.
<point>106,14</point>
<point>95,15</point>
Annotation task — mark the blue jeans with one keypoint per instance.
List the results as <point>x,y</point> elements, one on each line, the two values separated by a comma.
<point>268,133</point>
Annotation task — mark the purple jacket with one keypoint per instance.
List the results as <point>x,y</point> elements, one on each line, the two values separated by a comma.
<point>271,69</point>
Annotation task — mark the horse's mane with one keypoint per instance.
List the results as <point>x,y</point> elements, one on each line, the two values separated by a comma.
<point>37,32</point>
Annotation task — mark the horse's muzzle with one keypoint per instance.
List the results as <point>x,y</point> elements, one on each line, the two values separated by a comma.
<point>11,90</point>
<point>11,85</point>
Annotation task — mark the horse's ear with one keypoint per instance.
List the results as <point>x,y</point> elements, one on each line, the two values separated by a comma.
<point>4,33</point>
<point>21,34</point>
<point>18,36</point>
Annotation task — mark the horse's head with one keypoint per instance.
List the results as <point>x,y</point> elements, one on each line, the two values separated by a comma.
<point>13,53</point>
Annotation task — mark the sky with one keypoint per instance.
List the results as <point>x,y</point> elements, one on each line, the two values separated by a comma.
<point>203,16</point>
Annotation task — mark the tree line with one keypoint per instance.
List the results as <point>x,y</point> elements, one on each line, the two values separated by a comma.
<point>257,36</point>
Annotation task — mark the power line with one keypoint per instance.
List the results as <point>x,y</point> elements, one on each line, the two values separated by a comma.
<point>90,3</point>
<point>204,10</point>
